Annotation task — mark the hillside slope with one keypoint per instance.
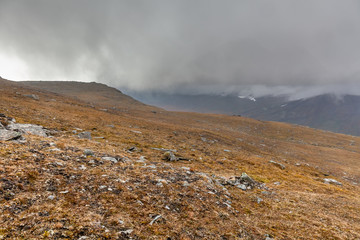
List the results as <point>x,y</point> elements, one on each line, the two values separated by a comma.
<point>300,183</point>
<point>90,92</point>
<point>327,111</point>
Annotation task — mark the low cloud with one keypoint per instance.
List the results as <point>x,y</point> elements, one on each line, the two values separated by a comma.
<point>261,46</point>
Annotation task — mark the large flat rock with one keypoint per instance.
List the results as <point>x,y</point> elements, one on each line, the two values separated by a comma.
<point>7,135</point>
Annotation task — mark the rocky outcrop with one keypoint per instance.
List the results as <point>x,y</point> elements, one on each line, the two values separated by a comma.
<point>10,130</point>
<point>6,135</point>
<point>244,182</point>
<point>28,129</point>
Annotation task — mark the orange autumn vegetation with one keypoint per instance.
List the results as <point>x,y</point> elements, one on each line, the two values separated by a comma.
<point>51,190</point>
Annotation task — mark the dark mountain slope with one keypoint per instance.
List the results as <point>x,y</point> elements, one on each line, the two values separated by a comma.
<point>326,112</point>
<point>205,103</point>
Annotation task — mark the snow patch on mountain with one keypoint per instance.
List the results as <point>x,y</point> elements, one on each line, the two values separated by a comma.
<point>248,97</point>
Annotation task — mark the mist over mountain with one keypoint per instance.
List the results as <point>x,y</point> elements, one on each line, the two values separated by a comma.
<point>327,111</point>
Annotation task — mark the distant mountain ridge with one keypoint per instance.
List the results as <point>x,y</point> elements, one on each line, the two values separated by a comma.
<point>90,92</point>
<point>326,112</point>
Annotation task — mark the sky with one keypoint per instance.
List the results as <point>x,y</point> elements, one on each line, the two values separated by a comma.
<point>258,47</point>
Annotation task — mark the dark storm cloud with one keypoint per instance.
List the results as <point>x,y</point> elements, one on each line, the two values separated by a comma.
<point>227,45</point>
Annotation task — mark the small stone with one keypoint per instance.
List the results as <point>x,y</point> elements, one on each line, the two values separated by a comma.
<point>33,96</point>
<point>85,135</point>
<point>332,181</point>
<point>268,237</point>
<point>186,184</point>
<point>54,150</point>
<point>281,166</point>
<point>88,152</point>
<point>82,167</point>
<point>246,178</point>
<point>242,187</point>
<point>111,159</point>
<point>99,137</point>
<point>141,159</point>
<point>169,156</point>
<point>126,232</point>
<point>83,238</point>
<point>138,132</point>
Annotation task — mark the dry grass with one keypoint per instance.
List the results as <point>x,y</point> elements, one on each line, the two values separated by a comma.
<point>191,203</point>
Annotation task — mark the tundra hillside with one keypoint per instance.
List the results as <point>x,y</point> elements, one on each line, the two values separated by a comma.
<point>87,167</point>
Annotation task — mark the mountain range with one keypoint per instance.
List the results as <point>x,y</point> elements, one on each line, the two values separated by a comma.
<point>329,112</point>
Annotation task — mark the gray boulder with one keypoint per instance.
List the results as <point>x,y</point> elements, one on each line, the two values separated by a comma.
<point>28,129</point>
<point>169,156</point>
<point>6,135</point>
<point>244,182</point>
<point>85,135</point>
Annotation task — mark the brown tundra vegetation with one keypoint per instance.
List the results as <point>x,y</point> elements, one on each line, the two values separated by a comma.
<point>109,167</point>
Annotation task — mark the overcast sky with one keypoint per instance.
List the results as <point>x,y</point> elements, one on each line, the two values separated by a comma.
<point>185,45</point>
